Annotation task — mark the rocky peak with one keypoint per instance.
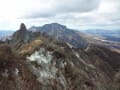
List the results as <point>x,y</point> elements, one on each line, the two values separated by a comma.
<point>53,28</point>
<point>58,25</point>
<point>23,27</point>
<point>55,25</point>
<point>21,36</point>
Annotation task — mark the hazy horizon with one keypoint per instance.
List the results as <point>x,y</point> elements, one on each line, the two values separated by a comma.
<point>75,14</point>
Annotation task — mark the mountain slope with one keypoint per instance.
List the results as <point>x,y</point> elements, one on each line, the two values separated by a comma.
<point>14,73</point>
<point>73,37</point>
<point>44,63</point>
<point>60,66</point>
<point>61,33</point>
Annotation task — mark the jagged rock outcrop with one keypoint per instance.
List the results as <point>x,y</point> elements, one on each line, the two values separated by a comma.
<point>21,36</point>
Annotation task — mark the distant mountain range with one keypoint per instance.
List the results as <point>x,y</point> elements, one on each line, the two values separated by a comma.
<point>5,34</point>
<point>58,29</point>
<point>113,35</point>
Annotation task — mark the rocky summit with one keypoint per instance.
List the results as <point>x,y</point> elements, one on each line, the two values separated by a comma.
<point>38,61</point>
<point>21,36</point>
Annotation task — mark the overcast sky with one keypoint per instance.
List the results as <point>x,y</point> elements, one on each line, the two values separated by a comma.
<point>76,14</point>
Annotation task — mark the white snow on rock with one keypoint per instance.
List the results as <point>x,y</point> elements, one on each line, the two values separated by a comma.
<point>16,71</point>
<point>46,69</point>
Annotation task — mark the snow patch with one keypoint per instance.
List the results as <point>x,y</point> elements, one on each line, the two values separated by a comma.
<point>16,71</point>
<point>39,57</point>
<point>46,68</point>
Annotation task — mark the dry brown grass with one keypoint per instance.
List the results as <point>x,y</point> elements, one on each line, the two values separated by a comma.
<point>28,48</point>
<point>24,80</point>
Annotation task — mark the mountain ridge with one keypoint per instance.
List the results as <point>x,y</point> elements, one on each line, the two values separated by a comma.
<point>43,63</point>
<point>74,37</point>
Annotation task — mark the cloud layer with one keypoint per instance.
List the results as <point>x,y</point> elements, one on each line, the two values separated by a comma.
<point>57,7</point>
<point>79,14</point>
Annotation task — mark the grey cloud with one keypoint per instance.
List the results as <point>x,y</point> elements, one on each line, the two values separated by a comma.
<point>70,12</point>
<point>36,15</point>
<point>77,5</point>
<point>64,7</point>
